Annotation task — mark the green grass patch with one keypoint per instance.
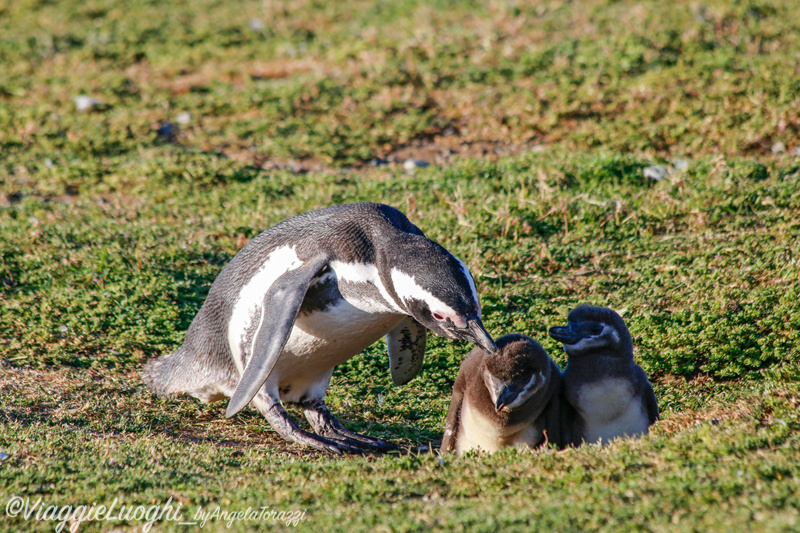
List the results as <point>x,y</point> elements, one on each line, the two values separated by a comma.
<point>541,122</point>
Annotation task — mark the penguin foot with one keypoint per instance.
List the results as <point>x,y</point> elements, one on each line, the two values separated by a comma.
<point>325,424</point>
<point>280,421</point>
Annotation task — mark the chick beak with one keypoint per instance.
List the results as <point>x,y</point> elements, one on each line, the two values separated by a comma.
<point>506,397</point>
<point>564,334</point>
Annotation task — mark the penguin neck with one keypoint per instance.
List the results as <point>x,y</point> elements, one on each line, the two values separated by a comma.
<point>598,365</point>
<point>385,263</point>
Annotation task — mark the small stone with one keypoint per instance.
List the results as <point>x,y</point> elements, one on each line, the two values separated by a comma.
<point>412,164</point>
<point>778,148</point>
<point>49,163</point>
<point>680,165</point>
<point>4,456</point>
<point>85,103</point>
<point>537,148</point>
<point>183,118</point>
<point>256,24</point>
<point>64,329</point>
<point>656,172</point>
<point>796,152</point>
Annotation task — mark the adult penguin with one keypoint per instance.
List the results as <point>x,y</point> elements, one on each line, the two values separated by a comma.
<point>308,294</point>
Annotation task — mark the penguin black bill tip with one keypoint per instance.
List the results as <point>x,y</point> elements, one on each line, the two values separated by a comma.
<point>563,335</point>
<point>478,335</point>
<point>506,398</point>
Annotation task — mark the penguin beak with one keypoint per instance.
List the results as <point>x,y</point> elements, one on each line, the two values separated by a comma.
<point>564,334</point>
<point>476,333</point>
<point>506,397</point>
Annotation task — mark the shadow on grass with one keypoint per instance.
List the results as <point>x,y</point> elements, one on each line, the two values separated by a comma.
<point>103,405</point>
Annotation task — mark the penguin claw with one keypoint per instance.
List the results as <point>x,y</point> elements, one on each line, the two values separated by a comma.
<point>326,425</point>
<point>323,444</point>
<point>367,445</point>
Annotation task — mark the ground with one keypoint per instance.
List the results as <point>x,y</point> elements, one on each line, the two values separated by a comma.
<point>542,125</point>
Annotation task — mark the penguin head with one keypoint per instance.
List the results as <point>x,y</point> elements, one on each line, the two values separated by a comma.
<point>515,372</point>
<point>438,291</point>
<point>592,330</point>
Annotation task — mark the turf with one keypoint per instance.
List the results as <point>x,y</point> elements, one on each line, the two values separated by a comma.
<point>542,123</point>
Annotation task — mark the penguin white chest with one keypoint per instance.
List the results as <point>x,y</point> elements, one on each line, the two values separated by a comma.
<point>610,409</point>
<point>478,432</point>
<point>332,336</point>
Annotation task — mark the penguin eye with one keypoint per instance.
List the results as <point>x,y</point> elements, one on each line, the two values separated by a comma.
<point>437,316</point>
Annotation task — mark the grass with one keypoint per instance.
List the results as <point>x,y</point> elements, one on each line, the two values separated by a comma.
<point>539,120</point>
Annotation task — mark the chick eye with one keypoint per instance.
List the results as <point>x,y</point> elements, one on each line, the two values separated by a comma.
<point>596,330</point>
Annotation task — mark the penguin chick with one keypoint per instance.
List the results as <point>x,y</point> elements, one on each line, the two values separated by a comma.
<point>505,398</point>
<point>607,394</point>
<point>308,294</point>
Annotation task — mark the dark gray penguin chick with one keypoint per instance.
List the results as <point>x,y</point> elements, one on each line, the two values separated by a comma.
<point>609,394</point>
<point>505,398</point>
<point>309,294</point>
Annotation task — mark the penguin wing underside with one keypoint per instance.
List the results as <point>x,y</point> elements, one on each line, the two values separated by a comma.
<point>281,305</point>
<point>406,343</point>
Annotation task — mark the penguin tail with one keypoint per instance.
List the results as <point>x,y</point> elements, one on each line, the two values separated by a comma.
<point>183,373</point>
<point>160,375</point>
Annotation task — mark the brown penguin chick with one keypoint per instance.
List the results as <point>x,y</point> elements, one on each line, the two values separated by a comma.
<point>506,398</point>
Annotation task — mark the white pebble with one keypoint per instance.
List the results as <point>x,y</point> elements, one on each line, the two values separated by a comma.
<point>680,164</point>
<point>183,118</point>
<point>411,164</point>
<point>656,172</point>
<point>84,102</point>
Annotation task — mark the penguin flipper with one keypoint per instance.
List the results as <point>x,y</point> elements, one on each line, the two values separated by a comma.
<point>281,305</point>
<point>651,405</point>
<point>406,343</point>
<point>553,412</point>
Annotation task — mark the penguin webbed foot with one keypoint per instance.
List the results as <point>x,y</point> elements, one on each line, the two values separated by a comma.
<point>281,422</point>
<point>327,425</point>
